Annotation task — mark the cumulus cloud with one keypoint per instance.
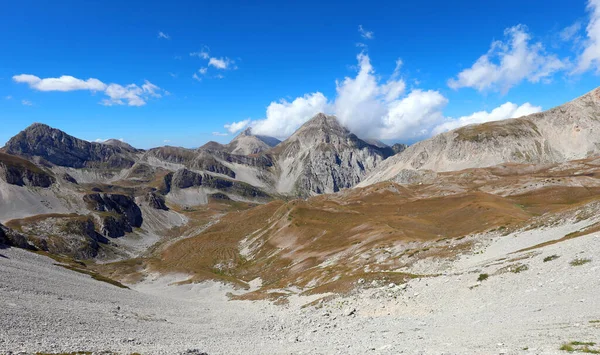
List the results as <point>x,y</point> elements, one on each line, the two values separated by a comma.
<point>196,77</point>
<point>102,140</point>
<point>505,111</point>
<point>163,35</point>
<point>284,117</point>
<point>508,63</point>
<point>221,63</point>
<point>63,83</point>
<point>590,57</point>
<point>237,126</point>
<point>374,108</point>
<point>132,94</point>
<point>367,106</point>
<point>364,33</point>
<point>26,103</point>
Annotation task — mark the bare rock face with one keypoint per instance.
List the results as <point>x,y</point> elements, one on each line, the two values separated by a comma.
<point>200,159</point>
<point>59,148</point>
<point>120,213</point>
<point>9,237</point>
<point>324,157</point>
<point>399,148</point>
<point>18,171</point>
<point>183,179</point>
<point>564,133</point>
<point>156,201</point>
<point>71,235</point>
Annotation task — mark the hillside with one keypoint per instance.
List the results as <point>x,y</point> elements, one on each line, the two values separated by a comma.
<point>561,134</point>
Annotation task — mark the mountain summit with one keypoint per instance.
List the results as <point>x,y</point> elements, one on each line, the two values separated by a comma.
<point>59,148</point>
<point>322,156</point>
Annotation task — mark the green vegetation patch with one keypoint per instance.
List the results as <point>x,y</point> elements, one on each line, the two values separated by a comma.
<point>580,261</point>
<point>551,257</point>
<point>579,347</point>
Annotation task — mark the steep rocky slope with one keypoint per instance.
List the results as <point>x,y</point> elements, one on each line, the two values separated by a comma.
<point>563,133</point>
<point>57,147</point>
<point>323,157</point>
<point>21,172</point>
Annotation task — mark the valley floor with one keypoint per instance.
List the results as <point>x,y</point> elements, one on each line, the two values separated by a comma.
<point>531,302</point>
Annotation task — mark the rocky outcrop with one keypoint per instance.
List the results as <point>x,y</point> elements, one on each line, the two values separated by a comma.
<point>59,148</point>
<point>18,171</point>
<point>564,133</point>
<point>183,179</point>
<point>156,201</point>
<point>114,225</point>
<point>68,178</point>
<point>9,237</point>
<point>399,148</point>
<point>324,157</point>
<point>71,235</point>
<point>120,213</point>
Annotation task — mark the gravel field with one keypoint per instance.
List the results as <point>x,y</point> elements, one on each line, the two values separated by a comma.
<point>531,309</point>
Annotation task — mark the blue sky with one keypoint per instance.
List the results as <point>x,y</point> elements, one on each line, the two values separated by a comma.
<point>397,70</point>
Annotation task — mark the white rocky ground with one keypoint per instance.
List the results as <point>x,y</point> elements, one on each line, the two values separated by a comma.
<point>44,307</point>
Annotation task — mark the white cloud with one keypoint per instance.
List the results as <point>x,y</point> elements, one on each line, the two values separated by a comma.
<point>570,33</point>
<point>364,33</point>
<point>508,63</point>
<point>163,35</point>
<point>220,134</point>
<point>590,57</point>
<point>173,75</point>
<point>63,83</point>
<point>505,111</point>
<point>283,117</point>
<point>196,77</point>
<point>221,63</point>
<point>203,53</point>
<point>237,126</point>
<point>26,103</point>
<point>167,141</point>
<point>203,70</point>
<point>374,108</point>
<point>8,97</point>
<point>132,94</point>
<point>367,106</point>
<point>102,140</point>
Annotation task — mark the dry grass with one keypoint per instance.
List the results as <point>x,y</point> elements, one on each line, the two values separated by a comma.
<point>325,243</point>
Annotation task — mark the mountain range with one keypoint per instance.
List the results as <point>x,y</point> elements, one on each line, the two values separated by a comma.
<point>257,198</point>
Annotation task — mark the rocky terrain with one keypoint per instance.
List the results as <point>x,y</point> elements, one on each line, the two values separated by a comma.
<point>480,240</point>
<point>561,134</point>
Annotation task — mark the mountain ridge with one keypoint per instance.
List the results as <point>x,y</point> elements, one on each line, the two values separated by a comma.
<point>560,134</point>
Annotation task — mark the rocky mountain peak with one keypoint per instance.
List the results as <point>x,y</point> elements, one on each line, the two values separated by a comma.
<point>59,148</point>
<point>247,143</point>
